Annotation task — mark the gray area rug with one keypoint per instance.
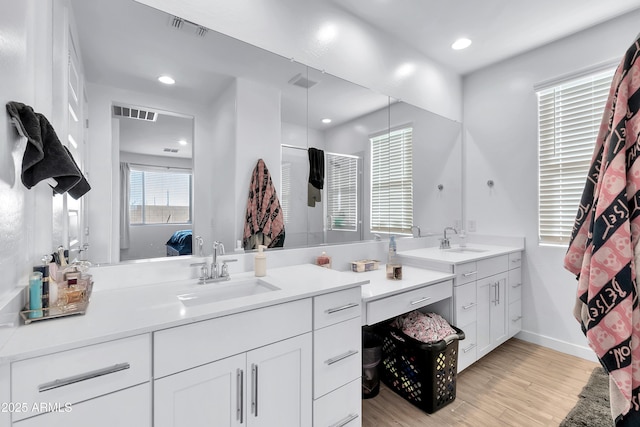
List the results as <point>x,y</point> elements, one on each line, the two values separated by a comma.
<point>592,409</point>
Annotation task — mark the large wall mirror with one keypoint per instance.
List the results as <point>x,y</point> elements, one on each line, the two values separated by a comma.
<point>232,104</point>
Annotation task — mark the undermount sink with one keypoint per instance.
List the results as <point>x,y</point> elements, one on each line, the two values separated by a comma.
<point>463,250</point>
<point>221,291</point>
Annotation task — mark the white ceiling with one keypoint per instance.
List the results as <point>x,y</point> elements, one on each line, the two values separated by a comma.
<point>126,45</point>
<point>498,28</point>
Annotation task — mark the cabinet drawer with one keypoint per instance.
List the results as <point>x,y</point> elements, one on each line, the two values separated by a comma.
<point>81,374</point>
<point>336,307</point>
<point>515,318</point>
<point>336,356</point>
<point>465,303</point>
<point>490,266</point>
<point>129,407</point>
<point>515,260</point>
<point>341,407</point>
<point>183,347</point>
<point>466,273</point>
<point>515,285</point>
<point>388,308</point>
<point>467,353</point>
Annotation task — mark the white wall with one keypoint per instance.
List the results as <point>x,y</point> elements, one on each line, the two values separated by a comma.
<point>26,67</point>
<point>221,198</point>
<point>289,28</point>
<point>500,117</point>
<point>258,136</point>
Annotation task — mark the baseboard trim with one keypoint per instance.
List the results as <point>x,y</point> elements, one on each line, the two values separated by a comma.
<point>583,352</point>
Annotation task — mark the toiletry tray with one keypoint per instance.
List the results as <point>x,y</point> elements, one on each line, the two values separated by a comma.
<point>78,306</point>
<point>364,265</point>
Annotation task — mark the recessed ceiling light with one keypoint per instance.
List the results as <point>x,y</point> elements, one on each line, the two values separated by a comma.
<point>462,43</point>
<point>182,142</point>
<point>166,80</point>
<point>326,121</point>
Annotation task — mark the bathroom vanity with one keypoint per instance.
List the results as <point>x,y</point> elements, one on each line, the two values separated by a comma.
<point>487,281</point>
<point>141,356</point>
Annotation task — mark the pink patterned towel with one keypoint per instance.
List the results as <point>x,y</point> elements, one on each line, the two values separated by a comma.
<point>264,218</point>
<point>601,251</point>
<point>428,328</point>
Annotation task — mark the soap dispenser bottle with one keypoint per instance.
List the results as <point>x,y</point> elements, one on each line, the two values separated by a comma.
<point>260,262</point>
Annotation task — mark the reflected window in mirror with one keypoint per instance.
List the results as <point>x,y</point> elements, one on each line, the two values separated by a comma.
<point>159,196</point>
<point>392,181</point>
<point>342,192</point>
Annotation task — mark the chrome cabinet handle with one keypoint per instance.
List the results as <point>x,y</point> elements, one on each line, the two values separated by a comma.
<point>471,273</point>
<point>420,300</point>
<point>344,307</point>
<point>516,285</point>
<point>83,377</point>
<point>254,390</point>
<point>469,348</point>
<point>345,421</point>
<point>340,357</point>
<point>240,395</point>
<point>467,307</point>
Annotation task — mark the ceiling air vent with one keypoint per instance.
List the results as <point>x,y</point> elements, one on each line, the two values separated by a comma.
<point>170,150</point>
<point>301,81</point>
<point>134,113</point>
<point>182,24</point>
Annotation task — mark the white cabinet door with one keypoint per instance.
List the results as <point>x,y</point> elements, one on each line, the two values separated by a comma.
<point>492,313</point>
<point>128,407</point>
<point>279,384</point>
<point>499,326</point>
<point>208,395</point>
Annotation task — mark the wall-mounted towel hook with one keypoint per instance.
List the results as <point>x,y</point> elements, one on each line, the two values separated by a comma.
<point>440,187</point>
<point>490,183</point>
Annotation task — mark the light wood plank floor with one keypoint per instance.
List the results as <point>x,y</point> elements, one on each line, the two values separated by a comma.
<point>518,384</point>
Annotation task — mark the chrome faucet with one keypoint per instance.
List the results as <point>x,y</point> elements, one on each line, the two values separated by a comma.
<point>444,243</point>
<point>217,246</point>
<point>215,273</point>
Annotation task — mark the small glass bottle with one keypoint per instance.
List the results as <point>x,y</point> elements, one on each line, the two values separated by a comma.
<point>35,295</point>
<point>394,267</point>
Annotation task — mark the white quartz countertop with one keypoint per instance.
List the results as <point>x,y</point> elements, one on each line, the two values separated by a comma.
<point>118,313</point>
<point>380,287</point>
<point>458,255</point>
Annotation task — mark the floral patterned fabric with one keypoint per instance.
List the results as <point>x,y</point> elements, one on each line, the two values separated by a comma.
<point>425,327</point>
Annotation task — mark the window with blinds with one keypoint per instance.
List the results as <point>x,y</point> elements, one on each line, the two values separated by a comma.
<point>569,116</point>
<point>392,182</point>
<point>159,196</point>
<point>341,185</point>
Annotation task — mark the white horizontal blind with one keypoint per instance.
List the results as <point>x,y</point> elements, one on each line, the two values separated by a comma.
<point>392,182</point>
<point>285,199</point>
<point>569,117</point>
<point>342,192</point>
<point>159,197</point>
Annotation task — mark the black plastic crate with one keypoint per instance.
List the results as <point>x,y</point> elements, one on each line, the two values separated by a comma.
<point>423,374</point>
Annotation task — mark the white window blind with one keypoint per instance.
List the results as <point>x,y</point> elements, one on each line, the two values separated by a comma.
<point>342,191</point>
<point>392,182</point>
<point>285,199</point>
<point>569,116</point>
<point>159,196</point>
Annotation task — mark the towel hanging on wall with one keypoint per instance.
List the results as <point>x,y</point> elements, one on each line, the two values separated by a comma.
<point>45,156</point>
<point>264,223</point>
<point>316,176</point>
<point>605,243</point>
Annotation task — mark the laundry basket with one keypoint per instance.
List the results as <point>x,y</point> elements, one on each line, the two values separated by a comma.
<point>423,374</point>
